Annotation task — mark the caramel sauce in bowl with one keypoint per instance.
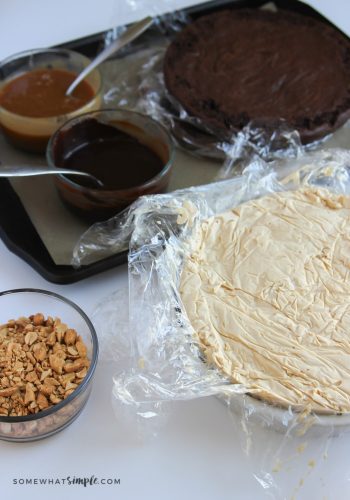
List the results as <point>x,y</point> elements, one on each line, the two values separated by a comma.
<point>130,153</point>
<point>33,103</point>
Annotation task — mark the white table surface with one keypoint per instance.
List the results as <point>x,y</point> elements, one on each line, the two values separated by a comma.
<point>197,454</point>
<point>41,23</point>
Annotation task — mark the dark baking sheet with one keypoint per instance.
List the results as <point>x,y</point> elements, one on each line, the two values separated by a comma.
<point>16,228</point>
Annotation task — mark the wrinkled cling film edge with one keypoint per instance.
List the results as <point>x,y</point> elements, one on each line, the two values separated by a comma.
<point>142,88</point>
<point>166,363</point>
<point>143,395</point>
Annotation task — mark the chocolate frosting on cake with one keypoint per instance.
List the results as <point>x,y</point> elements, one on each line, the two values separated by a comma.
<point>234,66</point>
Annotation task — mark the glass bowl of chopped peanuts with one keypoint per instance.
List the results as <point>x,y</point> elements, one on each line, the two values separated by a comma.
<point>48,355</point>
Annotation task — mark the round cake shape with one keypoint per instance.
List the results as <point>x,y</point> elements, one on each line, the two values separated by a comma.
<point>234,66</point>
<point>266,288</point>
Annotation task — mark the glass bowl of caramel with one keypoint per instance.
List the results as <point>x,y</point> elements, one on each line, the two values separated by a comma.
<point>48,356</point>
<point>33,103</point>
<point>130,153</point>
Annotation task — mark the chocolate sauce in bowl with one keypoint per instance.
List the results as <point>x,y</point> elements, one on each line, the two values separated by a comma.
<point>115,157</point>
<point>129,152</point>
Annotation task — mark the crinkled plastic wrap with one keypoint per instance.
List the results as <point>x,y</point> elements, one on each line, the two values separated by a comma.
<point>157,357</point>
<point>165,361</point>
<point>141,87</point>
<point>134,80</point>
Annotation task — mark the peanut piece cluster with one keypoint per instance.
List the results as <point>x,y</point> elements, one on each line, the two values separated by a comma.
<point>42,362</point>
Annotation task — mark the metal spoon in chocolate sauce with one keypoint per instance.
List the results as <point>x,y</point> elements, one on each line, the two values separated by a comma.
<point>31,170</point>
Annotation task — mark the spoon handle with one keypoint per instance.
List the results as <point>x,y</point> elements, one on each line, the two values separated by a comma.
<point>30,170</point>
<point>130,34</point>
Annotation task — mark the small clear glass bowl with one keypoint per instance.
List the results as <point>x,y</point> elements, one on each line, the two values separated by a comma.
<point>28,301</point>
<point>32,134</point>
<point>99,204</point>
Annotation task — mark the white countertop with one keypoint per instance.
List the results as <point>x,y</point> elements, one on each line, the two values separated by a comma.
<point>41,23</point>
<point>197,454</point>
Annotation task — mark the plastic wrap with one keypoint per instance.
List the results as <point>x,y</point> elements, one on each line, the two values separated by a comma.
<point>165,361</point>
<point>134,79</point>
<point>142,86</point>
<point>157,356</point>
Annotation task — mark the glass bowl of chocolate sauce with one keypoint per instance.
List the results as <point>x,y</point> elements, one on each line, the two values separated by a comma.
<point>33,103</point>
<point>129,152</point>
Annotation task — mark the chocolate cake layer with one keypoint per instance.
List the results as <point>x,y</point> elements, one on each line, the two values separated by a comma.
<point>234,66</point>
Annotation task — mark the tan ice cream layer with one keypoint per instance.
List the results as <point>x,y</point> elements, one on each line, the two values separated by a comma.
<point>267,290</point>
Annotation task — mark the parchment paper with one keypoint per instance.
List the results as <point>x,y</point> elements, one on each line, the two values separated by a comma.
<point>58,228</point>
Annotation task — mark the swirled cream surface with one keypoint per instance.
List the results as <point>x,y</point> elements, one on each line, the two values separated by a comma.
<point>267,290</point>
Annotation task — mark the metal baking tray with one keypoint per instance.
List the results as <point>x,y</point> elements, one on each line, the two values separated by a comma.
<point>16,228</point>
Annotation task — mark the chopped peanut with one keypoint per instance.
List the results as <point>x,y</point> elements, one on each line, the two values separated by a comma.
<point>42,361</point>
